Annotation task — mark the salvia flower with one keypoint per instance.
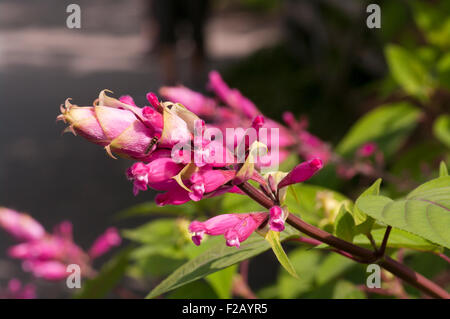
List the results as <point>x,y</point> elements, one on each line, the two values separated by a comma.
<point>110,238</point>
<point>20,226</point>
<point>236,228</point>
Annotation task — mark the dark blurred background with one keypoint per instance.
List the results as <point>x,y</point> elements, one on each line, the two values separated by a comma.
<point>312,57</point>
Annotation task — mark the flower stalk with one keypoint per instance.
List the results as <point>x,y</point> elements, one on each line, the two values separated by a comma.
<point>360,254</point>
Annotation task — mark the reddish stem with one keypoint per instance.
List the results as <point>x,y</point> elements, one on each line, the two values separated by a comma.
<point>362,254</point>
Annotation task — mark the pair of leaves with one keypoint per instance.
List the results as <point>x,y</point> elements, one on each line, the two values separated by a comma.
<point>424,212</point>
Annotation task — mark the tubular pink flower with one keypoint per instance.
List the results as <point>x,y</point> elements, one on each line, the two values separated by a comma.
<point>157,174</point>
<point>109,239</point>
<point>232,97</point>
<point>43,249</point>
<point>301,172</point>
<point>312,147</point>
<point>203,182</point>
<point>236,228</point>
<point>193,101</point>
<point>50,270</point>
<point>276,222</point>
<point>20,226</point>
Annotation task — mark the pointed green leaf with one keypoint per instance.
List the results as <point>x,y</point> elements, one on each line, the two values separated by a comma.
<point>358,215</point>
<point>273,238</point>
<point>214,259</point>
<point>443,169</point>
<point>344,225</point>
<point>441,129</point>
<point>388,125</point>
<point>409,71</point>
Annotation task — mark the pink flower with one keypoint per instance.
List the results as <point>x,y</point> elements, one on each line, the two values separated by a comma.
<point>301,172</point>
<point>105,242</point>
<point>235,227</point>
<point>201,183</point>
<point>21,226</point>
<point>119,126</point>
<point>232,97</point>
<point>367,149</point>
<point>277,218</point>
<point>157,174</point>
<point>46,248</point>
<point>50,270</point>
<point>153,100</point>
<point>193,101</point>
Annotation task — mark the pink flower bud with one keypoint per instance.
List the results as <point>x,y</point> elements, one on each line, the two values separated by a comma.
<point>120,127</point>
<point>153,100</point>
<point>367,149</point>
<point>105,242</point>
<point>301,172</point>
<point>21,226</point>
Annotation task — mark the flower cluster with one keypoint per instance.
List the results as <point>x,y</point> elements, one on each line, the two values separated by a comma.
<point>179,156</point>
<point>46,255</point>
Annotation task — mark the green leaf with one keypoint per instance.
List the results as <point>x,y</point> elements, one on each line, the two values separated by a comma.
<point>236,203</point>
<point>305,202</point>
<point>409,71</point>
<point>163,231</point>
<point>110,274</point>
<point>424,212</point>
<point>215,259</point>
<point>347,290</point>
<point>443,169</point>
<point>388,125</point>
<point>305,262</point>
<point>150,208</point>
<point>441,129</point>
<point>333,266</point>
<point>195,290</point>
<point>358,215</point>
<point>273,238</point>
<point>397,239</point>
<point>222,281</point>
<point>344,225</point>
